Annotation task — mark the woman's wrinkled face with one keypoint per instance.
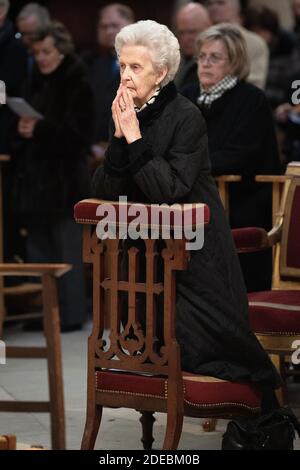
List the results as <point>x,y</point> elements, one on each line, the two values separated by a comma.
<point>213,63</point>
<point>138,74</point>
<point>47,56</point>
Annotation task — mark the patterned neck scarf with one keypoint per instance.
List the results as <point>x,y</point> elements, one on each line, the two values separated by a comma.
<point>207,97</point>
<point>150,101</point>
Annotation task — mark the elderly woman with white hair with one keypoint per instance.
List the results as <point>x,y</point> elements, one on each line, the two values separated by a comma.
<point>158,154</point>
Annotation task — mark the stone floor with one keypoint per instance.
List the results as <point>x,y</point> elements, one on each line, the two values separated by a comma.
<point>27,379</point>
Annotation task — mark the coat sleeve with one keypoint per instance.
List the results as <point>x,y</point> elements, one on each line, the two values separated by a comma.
<point>167,177</point>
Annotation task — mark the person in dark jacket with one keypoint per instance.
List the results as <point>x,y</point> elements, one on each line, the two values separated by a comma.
<point>12,74</point>
<point>50,158</point>
<point>12,68</point>
<point>158,154</point>
<point>241,136</point>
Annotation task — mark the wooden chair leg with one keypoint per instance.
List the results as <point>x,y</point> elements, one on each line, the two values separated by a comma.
<point>52,334</point>
<point>91,428</point>
<point>173,431</point>
<point>209,425</point>
<point>278,362</point>
<point>147,420</point>
<point>2,307</point>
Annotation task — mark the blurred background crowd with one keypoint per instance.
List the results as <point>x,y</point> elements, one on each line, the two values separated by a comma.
<point>60,57</point>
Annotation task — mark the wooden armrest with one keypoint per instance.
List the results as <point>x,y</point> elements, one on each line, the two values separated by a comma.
<point>4,158</point>
<point>250,239</point>
<point>228,178</point>
<point>274,235</point>
<point>271,178</point>
<point>26,269</point>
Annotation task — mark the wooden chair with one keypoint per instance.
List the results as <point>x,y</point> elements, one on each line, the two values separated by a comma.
<point>277,182</point>
<point>51,351</point>
<point>275,314</point>
<point>127,365</point>
<point>254,239</point>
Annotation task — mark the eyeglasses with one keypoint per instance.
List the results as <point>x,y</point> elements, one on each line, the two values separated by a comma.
<point>212,59</point>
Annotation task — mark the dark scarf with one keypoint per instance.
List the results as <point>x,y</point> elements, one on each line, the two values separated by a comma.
<point>167,94</point>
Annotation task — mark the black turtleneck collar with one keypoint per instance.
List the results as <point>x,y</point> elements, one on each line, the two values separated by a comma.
<point>166,95</point>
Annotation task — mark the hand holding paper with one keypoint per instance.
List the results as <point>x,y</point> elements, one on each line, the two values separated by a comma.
<point>26,127</point>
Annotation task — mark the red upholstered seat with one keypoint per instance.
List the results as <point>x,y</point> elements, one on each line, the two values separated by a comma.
<point>128,371</point>
<point>250,239</point>
<point>85,212</point>
<point>275,312</point>
<point>200,393</point>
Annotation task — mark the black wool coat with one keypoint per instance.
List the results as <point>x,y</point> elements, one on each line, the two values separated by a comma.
<point>13,59</point>
<point>242,141</point>
<point>51,169</point>
<point>170,164</point>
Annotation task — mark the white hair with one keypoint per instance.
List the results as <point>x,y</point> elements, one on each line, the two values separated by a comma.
<point>5,5</point>
<point>161,42</point>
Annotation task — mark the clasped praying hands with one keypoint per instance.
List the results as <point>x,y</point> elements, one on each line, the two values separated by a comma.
<point>124,116</point>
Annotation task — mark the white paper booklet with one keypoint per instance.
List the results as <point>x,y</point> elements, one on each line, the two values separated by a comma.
<point>22,108</point>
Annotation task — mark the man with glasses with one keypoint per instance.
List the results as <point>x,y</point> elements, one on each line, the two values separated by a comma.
<point>190,20</point>
<point>230,11</point>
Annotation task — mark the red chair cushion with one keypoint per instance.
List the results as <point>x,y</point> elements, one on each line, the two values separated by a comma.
<point>207,392</point>
<point>293,245</point>
<point>199,392</point>
<point>85,212</point>
<point>275,312</point>
<point>250,239</point>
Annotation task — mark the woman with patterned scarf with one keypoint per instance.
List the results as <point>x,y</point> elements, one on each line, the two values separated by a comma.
<point>241,135</point>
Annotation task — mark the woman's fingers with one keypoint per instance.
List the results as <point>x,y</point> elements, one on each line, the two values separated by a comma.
<point>122,102</point>
<point>118,95</point>
<point>130,99</point>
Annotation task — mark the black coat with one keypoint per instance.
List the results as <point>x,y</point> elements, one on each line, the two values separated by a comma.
<point>170,164</point>
<point>51,170</point>
<point>242,141</point>
<point>12,72</point>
